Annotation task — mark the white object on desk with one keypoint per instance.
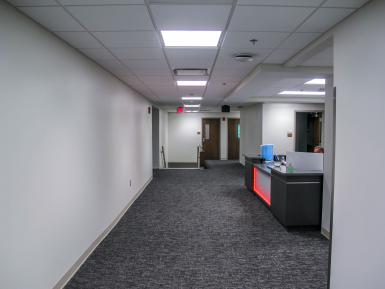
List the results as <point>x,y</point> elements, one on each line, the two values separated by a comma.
<point>305,161</point>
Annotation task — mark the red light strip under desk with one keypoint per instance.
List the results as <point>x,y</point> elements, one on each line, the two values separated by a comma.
<point>259,191</point>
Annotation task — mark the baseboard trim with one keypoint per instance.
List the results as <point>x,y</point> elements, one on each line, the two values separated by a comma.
<point>75,267</point>
<point>325,233</point>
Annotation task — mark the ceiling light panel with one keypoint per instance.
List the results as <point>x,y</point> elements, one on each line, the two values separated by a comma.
<point>190,17</point>
<point>180,38</point>
<point>316,81</point>
<point>190,72</point>
<point>191,82</point>
<point>192,105</point>
<point>191,97</point>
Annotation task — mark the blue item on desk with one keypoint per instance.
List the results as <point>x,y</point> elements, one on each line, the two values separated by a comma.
<point>267,152</point>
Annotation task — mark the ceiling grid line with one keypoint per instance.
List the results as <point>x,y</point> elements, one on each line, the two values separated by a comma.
<point>274,49</point>
<point>105,47</point>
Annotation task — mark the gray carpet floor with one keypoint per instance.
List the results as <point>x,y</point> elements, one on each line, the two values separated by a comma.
<point>195,229</point>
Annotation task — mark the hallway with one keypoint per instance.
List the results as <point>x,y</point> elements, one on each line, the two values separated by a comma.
<point>203,229</point>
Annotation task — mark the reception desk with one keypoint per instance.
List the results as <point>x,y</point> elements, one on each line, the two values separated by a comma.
<point>295,198</point>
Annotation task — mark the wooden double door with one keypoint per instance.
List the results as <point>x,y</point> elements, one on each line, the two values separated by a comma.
<point>211,139</point>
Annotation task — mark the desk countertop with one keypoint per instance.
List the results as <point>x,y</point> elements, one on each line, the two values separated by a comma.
<point>283,170</point>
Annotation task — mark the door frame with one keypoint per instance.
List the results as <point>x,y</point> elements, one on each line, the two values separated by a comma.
<point>295,125</point>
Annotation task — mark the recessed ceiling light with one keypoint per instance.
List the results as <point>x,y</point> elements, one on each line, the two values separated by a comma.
<point>319,81</point>
<point>294,92</point>
<point>180,38</point>
<point>192,105</point>
<point>191,97</point>
<point>191,82</point>
<point>191,72</point>
<point>192,111</point>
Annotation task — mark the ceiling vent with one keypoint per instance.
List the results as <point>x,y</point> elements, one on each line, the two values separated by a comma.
<point>191,72</point>
<point>244,57</point>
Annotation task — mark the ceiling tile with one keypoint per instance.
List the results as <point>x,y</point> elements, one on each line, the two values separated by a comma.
<point>112,64</point>
<point>199,2</point>
<point>324,19</point>
<point>98,53</point>
<point>190,90</point>
<point>156,78</point>
<point>128,39</point>
<point>318,62</point>
<point>280,56</point>
<point>227,55</point>
<point>150,71</point>
<point>138,53</point>
<point>191,52</point>
<point>230,72</point>
<point>79,39</point>
<point>218,79</point>
<point>299,40</point>
<point>33,2</point>
<point>100,2</point>
<point>113,18</point>
<point>53,18</point>
<point>265,18</point>
<point>146,64</point>
<point>218,89</point>
<point>190,17</point>
<point>323,58</point>
<point>309,3</point>
<point>265,39</point>
<point>191,58</point>
<point>345,3</point>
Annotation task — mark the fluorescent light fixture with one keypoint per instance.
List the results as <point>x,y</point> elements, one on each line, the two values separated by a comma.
<point>191,82</point>
<point>181,38</point>
<point>191,72</point>
<point>191,97</point>
<point>294,92</point>
<point>192,105</point>
<point>192,111</point>
<point>317,81</point>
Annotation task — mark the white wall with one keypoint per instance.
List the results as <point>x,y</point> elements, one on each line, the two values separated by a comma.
<point>251,130</point>
<point>183,138</point>
<point>358,240</point>
<point>278,120</point>
<point>72,137</point>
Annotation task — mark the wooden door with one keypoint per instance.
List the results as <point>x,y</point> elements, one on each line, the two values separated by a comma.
<point>233,137</point>
<point>210,138</point>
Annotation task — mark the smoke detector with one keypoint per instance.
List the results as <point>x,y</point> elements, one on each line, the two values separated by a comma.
<point>244,57</point>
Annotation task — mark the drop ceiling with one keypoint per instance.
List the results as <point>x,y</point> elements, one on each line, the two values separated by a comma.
<point>123,36</point>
